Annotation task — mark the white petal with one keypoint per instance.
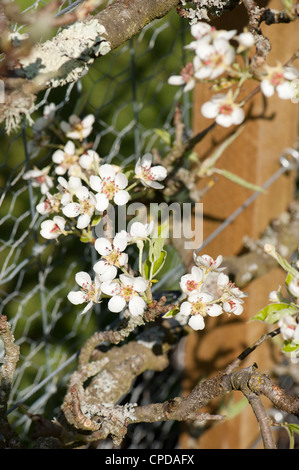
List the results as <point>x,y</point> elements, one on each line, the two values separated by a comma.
<point>196,322</point>
<point>121,181</point>
<point>146,160</point>
<point>116,304</point>
<point>71,210</point>
<point>137,306</point>
<point>83,221</point>
<point>176,80</point>
<point>58,156</point>
<point>209,110</point>
<point>140,284</point>
<point>214,310</point>
<point>95,183</point>
<point>267,88</point>
<point>103,246</point>
<point>107,274</point>
<point>159,172</point>
<point>121,197</point>
<point>82,193</point>
<point>76,297</point>
<point>83,278</point>
<point>102,202</point>
<point>185,308</point>
<point>110,288</point>
<point>70,148</point>
<point>88,120</point>
<point>120,242</point>
<point>107,171</point>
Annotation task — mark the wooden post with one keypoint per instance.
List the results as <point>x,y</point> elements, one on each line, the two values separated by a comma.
<point>255,157</point>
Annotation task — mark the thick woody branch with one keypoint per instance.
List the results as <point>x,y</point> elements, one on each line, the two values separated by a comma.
<point>7,373</point>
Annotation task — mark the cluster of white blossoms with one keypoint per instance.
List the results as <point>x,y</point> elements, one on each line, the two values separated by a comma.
<point>209,292</point>
<point>215,62</point>
<point>124,291</point>
<point>78,186</point>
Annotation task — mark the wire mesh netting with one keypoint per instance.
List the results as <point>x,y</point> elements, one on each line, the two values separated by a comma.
<point>127,92</point>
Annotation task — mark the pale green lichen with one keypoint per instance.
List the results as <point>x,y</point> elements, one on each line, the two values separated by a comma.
<point>65,58</point>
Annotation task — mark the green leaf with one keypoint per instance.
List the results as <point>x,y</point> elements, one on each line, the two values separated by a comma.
<point>164,135</point>
<point>159,263</point>
<point>172,312</point>
<point>237,179</point>
<point>290,346</point>
<point>274,312</point>
<point>158,242</point>
<point>208,165</point>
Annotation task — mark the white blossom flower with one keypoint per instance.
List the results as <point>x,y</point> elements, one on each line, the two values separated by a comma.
<point>224,110</point>
<point>245,40</point>
<point>68,188</point>
<point>51,229</point>
<point>112,256</point>
<point>126,293</point>
<point>273,296</point>
<point>150,175</point>
<point>294,286</point>
<point>90,291</point>
<point>49,205</point>
<point>289,328</point>
<point>233,305</point>
<point>279,79</point>
<point>186,78</point>
<point>140,231</point>
<point>191,283</point>
<point>212,60</point>
<point>227,289</point>
<point>198,306</point>
<point>65,158</point>
<point>109,185</point>
<point>207,262</point>
<point>78,128</point>
<point>205,33</point>
<point>40,178</point>
<point>90,160</point>
<point>83,209</point>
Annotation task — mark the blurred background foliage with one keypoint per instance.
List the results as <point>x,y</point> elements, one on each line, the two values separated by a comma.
<point>127,91</point>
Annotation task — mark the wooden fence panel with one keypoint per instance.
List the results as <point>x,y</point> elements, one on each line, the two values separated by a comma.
<point>255,157</point>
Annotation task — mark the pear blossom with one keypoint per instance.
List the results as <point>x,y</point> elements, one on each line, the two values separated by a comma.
<point>207,262</point>
<point>289,328</point>
<point>140,231</point>
<point>49,205</point>
<point>233,306</point>
<point>77,128</point>
<point>227,289</point>
<point>212,60</point>
<point>52,229</point>
<point>279,79</point>
<point>191,283</point>
<point>89,160</point>
<point>294,286</point>
<point>205,33</point>
<point>109,185</point>
<point>112,256</point>
<point>150,175</point>
<point>245,40</point>
<point>126,292</point>
<point>224,110</point>
<point>65,158</point>
<point>90,291</point>
<point>186,78</point>
<point>68,188</point>
<point>83,209</point>
<point>40,178</point>
<point>198,306</point>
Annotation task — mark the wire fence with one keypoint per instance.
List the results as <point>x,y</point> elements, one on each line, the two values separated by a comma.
<point>128,94</point>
